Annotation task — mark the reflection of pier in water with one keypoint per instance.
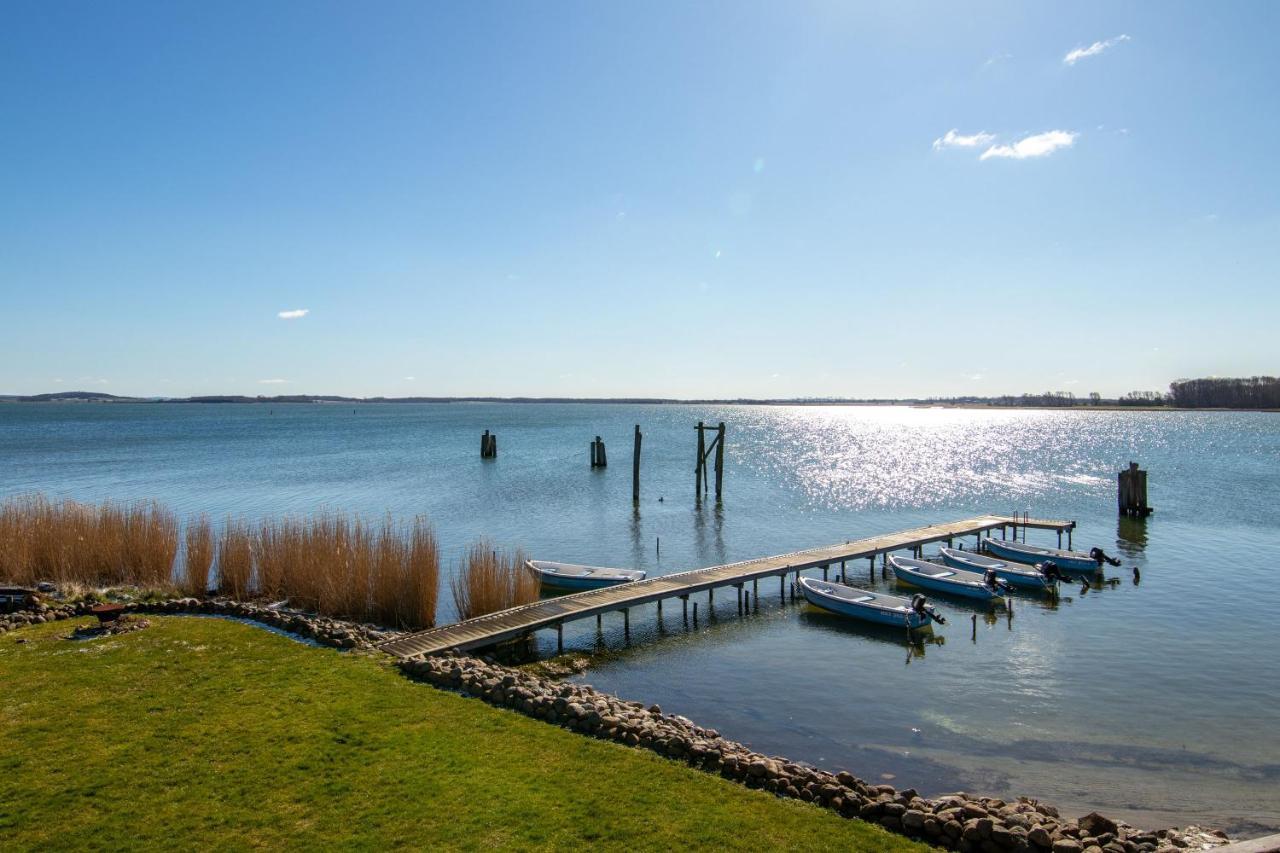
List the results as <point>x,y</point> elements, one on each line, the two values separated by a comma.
<point>554,613</point>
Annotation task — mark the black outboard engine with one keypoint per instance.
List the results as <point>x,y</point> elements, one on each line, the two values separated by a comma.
<point>1051,571</point>
<point>1100,557</point>
<point>921,605</point>
<point>992,581</point>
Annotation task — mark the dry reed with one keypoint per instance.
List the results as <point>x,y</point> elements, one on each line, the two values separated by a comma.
<point>235,559</point>
<point>199,556</point>
<point>330,563</point>
<point>103,544</point>
<point>489,581</point>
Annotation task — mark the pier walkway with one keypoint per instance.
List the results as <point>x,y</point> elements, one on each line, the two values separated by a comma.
<point>554,612</point>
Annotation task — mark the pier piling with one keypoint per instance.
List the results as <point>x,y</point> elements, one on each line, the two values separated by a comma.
<point>1132,495</point>
<point>489,445</point>
<point>598,458</point>
<point>635,467</point>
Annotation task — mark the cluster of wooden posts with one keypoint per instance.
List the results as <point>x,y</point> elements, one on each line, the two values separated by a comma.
<point>599,458</point>
<point>1133,492</point>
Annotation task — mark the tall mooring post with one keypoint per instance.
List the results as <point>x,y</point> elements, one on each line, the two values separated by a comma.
<point>488,445</point>
<point>701,478</point>
<point>1133,492</point>
<point>598,459</point>
<point>635,468</point>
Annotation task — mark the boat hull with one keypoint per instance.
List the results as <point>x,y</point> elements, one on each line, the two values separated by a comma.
<point>947,586</point>
<point>567,576</point>
<point>813,592</point>
<point>1067,561</point>
<point>1023,578</point>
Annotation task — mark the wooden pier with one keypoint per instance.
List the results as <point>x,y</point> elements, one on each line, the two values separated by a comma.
<point>554,612</point>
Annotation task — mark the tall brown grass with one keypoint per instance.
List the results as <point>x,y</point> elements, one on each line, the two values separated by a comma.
<point>489,581</point>
<point>66,541</point>
<point>235,559</point>
<point>331,563</point>
<point>199,556</point>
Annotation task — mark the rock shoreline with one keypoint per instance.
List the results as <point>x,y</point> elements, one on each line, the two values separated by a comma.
<point>960,821</point>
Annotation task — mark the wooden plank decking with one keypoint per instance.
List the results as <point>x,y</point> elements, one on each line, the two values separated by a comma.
<point>548,613</point>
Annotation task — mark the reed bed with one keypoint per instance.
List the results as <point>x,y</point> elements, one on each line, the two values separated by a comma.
<point>198,560</point>
<point>490,580</point>
<point>235,559</point>
<point>67,541</point>
<point>329,563</point>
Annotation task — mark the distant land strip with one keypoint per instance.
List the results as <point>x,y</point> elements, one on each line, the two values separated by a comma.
<point>1255,393</point>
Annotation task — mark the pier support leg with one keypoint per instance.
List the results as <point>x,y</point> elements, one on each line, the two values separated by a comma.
<point>695,614</point>
<point>1068,538</point>
<point>824,572</point>
<point>684,601</point>
<point>975,627</point>
<point>626,623</point>
<point>739,587</point>
<point>599,623</point>
<point>755,587</point>
<point>1059,538</point>
<point>559,638</point>
<point>842,574</point>
<point>782,588</point>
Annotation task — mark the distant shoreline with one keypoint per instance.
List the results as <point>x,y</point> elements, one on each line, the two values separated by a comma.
<point>85,397</point>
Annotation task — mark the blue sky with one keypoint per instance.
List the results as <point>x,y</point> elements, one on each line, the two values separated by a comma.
<point>675,199</point>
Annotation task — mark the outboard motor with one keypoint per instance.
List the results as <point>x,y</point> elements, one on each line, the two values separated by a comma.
<point>1100,557</point>
<point>921,605</point>
<point>992,581</point>
<point>1051,571</point>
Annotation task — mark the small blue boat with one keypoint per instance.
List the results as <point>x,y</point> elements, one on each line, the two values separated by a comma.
<point>1014,574</point>
<point>868,606</point>
<point>572,576</point>
<point>943,579</point>
<point>1021,552</point>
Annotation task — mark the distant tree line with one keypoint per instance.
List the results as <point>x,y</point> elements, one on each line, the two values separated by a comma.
<point>1255,392</point>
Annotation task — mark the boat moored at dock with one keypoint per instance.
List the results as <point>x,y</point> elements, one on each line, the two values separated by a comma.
<point>576,577</point>
<point>1067,561</point>
<point>1014,574</point>
<point>869,606</point>
<point>944,579</point>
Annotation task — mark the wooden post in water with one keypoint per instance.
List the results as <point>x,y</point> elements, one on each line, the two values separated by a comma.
<point>635,468</point>
<point>720,464</point>
<point>489,445</point>
<point>1133,492</point>
<point>700,465</point>
<point>598,459</point>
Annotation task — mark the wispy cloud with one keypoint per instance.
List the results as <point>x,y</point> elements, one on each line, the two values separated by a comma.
<point>997,59</point>
<point>273,381</point>
<point>1039,145</point>
<point>410,378</point>
<point>955,139</point>
<point>1094,49</point>
<point>294,314</point>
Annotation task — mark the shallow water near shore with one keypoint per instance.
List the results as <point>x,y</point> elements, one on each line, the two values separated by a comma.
<point>1154,701</point>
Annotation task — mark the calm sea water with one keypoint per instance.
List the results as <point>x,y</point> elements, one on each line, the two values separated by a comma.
<point>1154,700</point>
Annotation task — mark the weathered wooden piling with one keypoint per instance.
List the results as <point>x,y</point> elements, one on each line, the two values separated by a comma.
<point>598,458</point>
<point>701,477</point>
<point>1133,492</point>
<point>635,468</point>
<point>489,445</point>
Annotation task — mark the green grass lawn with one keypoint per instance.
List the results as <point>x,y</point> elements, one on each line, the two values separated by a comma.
<point>201,732</point>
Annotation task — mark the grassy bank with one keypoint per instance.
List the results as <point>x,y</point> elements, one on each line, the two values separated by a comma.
<point>202,732</point>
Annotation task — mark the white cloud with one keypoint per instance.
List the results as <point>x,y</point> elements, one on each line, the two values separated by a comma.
<point>954,139</point>
<point>410,378</point>
<point>1033,146</point>
<point>1093,50</point>
<point>294,314</point>
<point>272,381</point>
